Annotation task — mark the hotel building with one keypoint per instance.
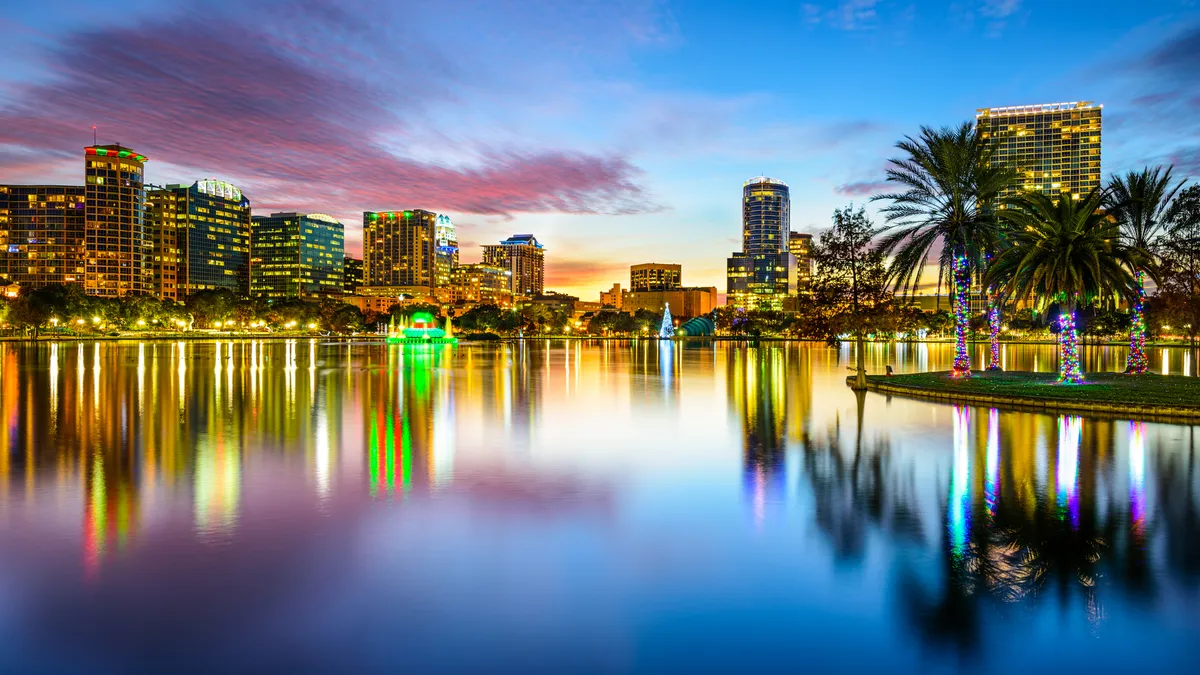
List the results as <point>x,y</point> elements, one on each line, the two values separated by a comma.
<point>1055,147</point>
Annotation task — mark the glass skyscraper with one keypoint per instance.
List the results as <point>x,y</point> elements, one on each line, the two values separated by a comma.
<point>117,241</point>
<point>1055,147</point>
<point>201,238</point>
<point>297,255</point>
<point>445,251</point>
<point>758,276</point>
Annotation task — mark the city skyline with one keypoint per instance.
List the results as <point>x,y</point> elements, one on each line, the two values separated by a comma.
<point>503,153</point>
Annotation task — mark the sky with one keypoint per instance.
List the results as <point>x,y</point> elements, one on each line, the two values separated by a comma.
<point>616,131</point>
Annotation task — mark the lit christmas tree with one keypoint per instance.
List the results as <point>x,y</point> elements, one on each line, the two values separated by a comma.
<point>667,330</point>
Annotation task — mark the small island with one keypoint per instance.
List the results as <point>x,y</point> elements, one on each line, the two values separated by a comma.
<point>1157,396</point>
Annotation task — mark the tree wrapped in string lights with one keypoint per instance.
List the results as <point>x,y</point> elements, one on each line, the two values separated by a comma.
<point>947,188</point>
<point>962,315</point>
<point>667,330</point>
<point>1066,251</point>
<point>1143,203</point>
<point>993,317</point>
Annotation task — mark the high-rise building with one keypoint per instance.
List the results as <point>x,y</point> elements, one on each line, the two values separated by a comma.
<point>42,234</point>
<point>480,283</point>
<point>800,246</point>
<point>525,260</point>
<point>117,238</point>
<point>445,251</point>
<point>400,252</point>
<point>200,237</point>
<point>1055,148</point>
<point>655,277</point>
<point>296,255</point>
<point>758,276</point>
<point>352,270</point>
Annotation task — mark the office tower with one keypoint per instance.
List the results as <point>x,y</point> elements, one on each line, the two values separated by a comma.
<point>399,252</point>
<point>480,283</point>
<point>117,238</point>
<point>296,255</point>
<point>758,276</point>
<point>352,269</point>
<point>42,234</point>
<point>525,259</point>
<point>445,251</point>
<point>1055,148</point>
<point>655,277</point>
<point>800,246</point>
<point>611,297</point>
<point>200,237</point>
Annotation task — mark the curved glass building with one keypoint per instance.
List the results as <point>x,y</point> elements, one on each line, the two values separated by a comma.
<point>758,276</point>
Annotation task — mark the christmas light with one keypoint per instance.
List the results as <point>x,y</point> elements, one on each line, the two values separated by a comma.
<point>1137,362</point>
<point>994,328</point>
<point>962,316</point>
<point>1069,371</point>
<point>667,330</point>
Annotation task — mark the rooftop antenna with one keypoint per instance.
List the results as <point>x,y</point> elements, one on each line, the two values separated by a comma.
<point>93,134</point>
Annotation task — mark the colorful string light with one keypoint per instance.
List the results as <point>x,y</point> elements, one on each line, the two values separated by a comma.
<point>1069,371</point>
<point>1138,363</point>
<point>994,328</point>
<point>962,316</point>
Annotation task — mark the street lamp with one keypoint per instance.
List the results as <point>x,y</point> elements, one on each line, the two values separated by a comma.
<point>141,322</point>
<point>312,326</point>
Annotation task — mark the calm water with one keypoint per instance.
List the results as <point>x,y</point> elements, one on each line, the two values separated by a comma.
<point>574,507</point>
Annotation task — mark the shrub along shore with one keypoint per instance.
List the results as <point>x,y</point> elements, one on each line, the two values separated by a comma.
<point>1158,396</point>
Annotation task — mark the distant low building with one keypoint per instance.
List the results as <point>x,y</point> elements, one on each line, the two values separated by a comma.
<point>686,302</point>
<point>612,297</point>
<point>478,283</point>
<point>352,271</point>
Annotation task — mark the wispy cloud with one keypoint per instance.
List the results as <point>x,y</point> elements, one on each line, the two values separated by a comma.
<point>843,14</point>
<point>309,111</point>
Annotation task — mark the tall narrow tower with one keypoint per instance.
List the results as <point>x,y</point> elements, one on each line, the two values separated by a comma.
<point>117,242</point>
<point>758,276</point>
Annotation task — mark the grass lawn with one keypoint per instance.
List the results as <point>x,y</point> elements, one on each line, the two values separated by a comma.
<point>1109,388</point>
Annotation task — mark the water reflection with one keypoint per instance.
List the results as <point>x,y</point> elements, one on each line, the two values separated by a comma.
<point>600,484</point>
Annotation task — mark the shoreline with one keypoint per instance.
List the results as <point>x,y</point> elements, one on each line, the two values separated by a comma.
<point>1103,394</point>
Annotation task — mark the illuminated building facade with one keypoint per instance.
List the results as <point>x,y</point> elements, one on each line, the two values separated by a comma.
<point>117,240</point>
<point>800,246</point>
<point>400,251</point>
<point>525,260</point>
<point>352,269</point>
<point>445,251</point>
<point>41,234</point>
<point>201,239</point>
<point>759,276</point>
<point>297,255</point>
<point>655,277</point>
<point>1055,148</point>
<point>480,283</point>
<point>686,302</point>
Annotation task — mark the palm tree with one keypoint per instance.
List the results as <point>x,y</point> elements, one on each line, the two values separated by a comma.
<point>1141,202</point>
<point>1066,251</point>
<point>948,188</point>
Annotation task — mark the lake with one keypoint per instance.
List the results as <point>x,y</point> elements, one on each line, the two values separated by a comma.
<point>572,506</point>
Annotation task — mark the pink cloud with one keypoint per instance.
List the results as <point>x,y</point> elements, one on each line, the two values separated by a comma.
<point>292,119</point>
<point>864,188</point>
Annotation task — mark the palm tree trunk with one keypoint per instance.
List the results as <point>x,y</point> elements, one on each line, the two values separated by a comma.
<point>860,362</point>
<point>994,328</point>
<point>1069,370</point>
<point>962,316</point>
<point>1137,363</point>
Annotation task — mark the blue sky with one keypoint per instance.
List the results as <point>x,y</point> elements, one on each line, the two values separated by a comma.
<point>618,132</point>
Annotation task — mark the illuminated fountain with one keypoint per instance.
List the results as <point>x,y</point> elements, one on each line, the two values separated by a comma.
<point>423,331</point>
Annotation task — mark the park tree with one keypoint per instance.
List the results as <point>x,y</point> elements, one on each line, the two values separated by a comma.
<point>1178,300</point>
<point>850,286</point>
